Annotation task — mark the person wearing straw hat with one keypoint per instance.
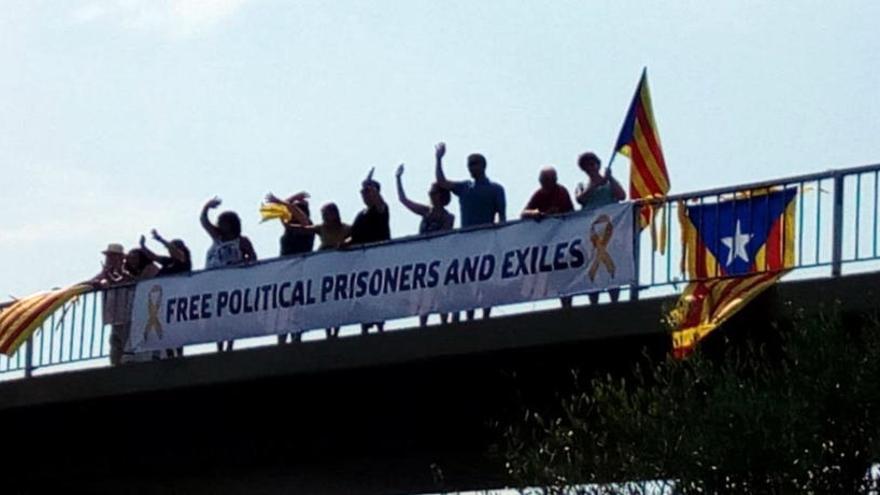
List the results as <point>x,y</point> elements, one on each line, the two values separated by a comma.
<point>111,268</point>
<point>115,298</point>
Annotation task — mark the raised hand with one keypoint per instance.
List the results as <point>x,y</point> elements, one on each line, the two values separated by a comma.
<point>156,235</point>
<point>143,241</point>
<point>300,196</point>
<point>271,198</point>
<point>213,202</point>
<point>440,150</point>
<point>399,172</point>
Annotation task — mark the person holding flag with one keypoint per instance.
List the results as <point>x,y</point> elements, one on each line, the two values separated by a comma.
<point>598,191</point>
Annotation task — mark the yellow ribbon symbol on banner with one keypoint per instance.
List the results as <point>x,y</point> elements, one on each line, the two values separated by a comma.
<point>154,303</point>
<point>600,240</point>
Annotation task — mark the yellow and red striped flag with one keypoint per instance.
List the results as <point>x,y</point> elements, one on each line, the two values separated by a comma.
<point>640,141</point>
<point>707,304</point>
<point>23,317</point>
<point>733,251</point>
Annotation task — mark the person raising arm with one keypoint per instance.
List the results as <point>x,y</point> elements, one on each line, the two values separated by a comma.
<point>439,176</point>
<point>435,218</point>
<point>369,226</point>
<point>212,230</point>
<point>481,201</point>
<point>229,248</point>
<point>415,207</point>
<point>293,240</point>
<point>178,259</point>
<point>332,231</point>
<point>372,223</point>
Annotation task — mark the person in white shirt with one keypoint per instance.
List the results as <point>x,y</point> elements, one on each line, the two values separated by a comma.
<point>229,247</point>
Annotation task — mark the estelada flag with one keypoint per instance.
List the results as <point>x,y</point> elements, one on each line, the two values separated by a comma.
<point>22,318</point>
<point>733,251</point>
<point>640,141</point>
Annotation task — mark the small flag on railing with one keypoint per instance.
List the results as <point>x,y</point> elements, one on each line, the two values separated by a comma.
<point>732,250</point>
<point>640,141</point>
<point>22,318</point>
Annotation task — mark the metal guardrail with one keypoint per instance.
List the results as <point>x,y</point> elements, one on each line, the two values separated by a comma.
<point>73,334</point>
<point>836,226</point>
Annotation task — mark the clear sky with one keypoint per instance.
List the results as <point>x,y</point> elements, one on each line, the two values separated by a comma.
<point>117,116</point>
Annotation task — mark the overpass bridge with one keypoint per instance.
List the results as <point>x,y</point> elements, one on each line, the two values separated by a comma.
<point>407,411</point>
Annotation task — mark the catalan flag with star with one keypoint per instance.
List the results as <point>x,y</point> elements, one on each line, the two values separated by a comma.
<point>24,316</point>
<point>733,251</point>
<point>640,141</point>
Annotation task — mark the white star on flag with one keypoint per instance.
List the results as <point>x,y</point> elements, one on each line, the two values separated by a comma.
<point>736,245</point>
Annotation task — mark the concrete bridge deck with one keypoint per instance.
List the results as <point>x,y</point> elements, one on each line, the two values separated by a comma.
<point>408,411</point>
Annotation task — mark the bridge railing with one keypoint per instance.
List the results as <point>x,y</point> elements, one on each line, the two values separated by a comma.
<point>837,229</point>
<point>836,226</point>
<point>71,335</point>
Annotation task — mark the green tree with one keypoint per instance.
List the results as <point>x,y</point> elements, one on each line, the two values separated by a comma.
<point>801,416</point>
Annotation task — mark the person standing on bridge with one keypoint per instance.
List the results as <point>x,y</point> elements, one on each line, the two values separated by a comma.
<point>480,199</point>
<point>435,218</point>
<point>331,231</point>
<point>228,248</point>
<point>598,191</point>
<point>551,198</point>
<point>295,240</point>
<point>179,260</point>
<point>136,266</point>
<point>115,305</point>
<point>372,224</point>
<point>119,272</point>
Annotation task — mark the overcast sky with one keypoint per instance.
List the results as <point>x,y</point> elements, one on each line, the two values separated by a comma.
<point>117,116</point>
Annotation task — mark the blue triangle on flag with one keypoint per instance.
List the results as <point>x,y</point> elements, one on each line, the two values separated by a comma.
<point>734,231</point>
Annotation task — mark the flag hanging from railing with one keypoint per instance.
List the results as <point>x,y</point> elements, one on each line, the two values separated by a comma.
<point>640,141</point>
<point>733,251</point>
<point>23,317</point>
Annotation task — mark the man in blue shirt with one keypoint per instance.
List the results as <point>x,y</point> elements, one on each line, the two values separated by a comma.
<point>480,199</point>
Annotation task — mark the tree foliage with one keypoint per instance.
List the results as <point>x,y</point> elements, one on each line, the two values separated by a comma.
<point>802,417</point>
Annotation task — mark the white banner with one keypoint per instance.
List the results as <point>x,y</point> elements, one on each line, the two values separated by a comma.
<point>519,262</point>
